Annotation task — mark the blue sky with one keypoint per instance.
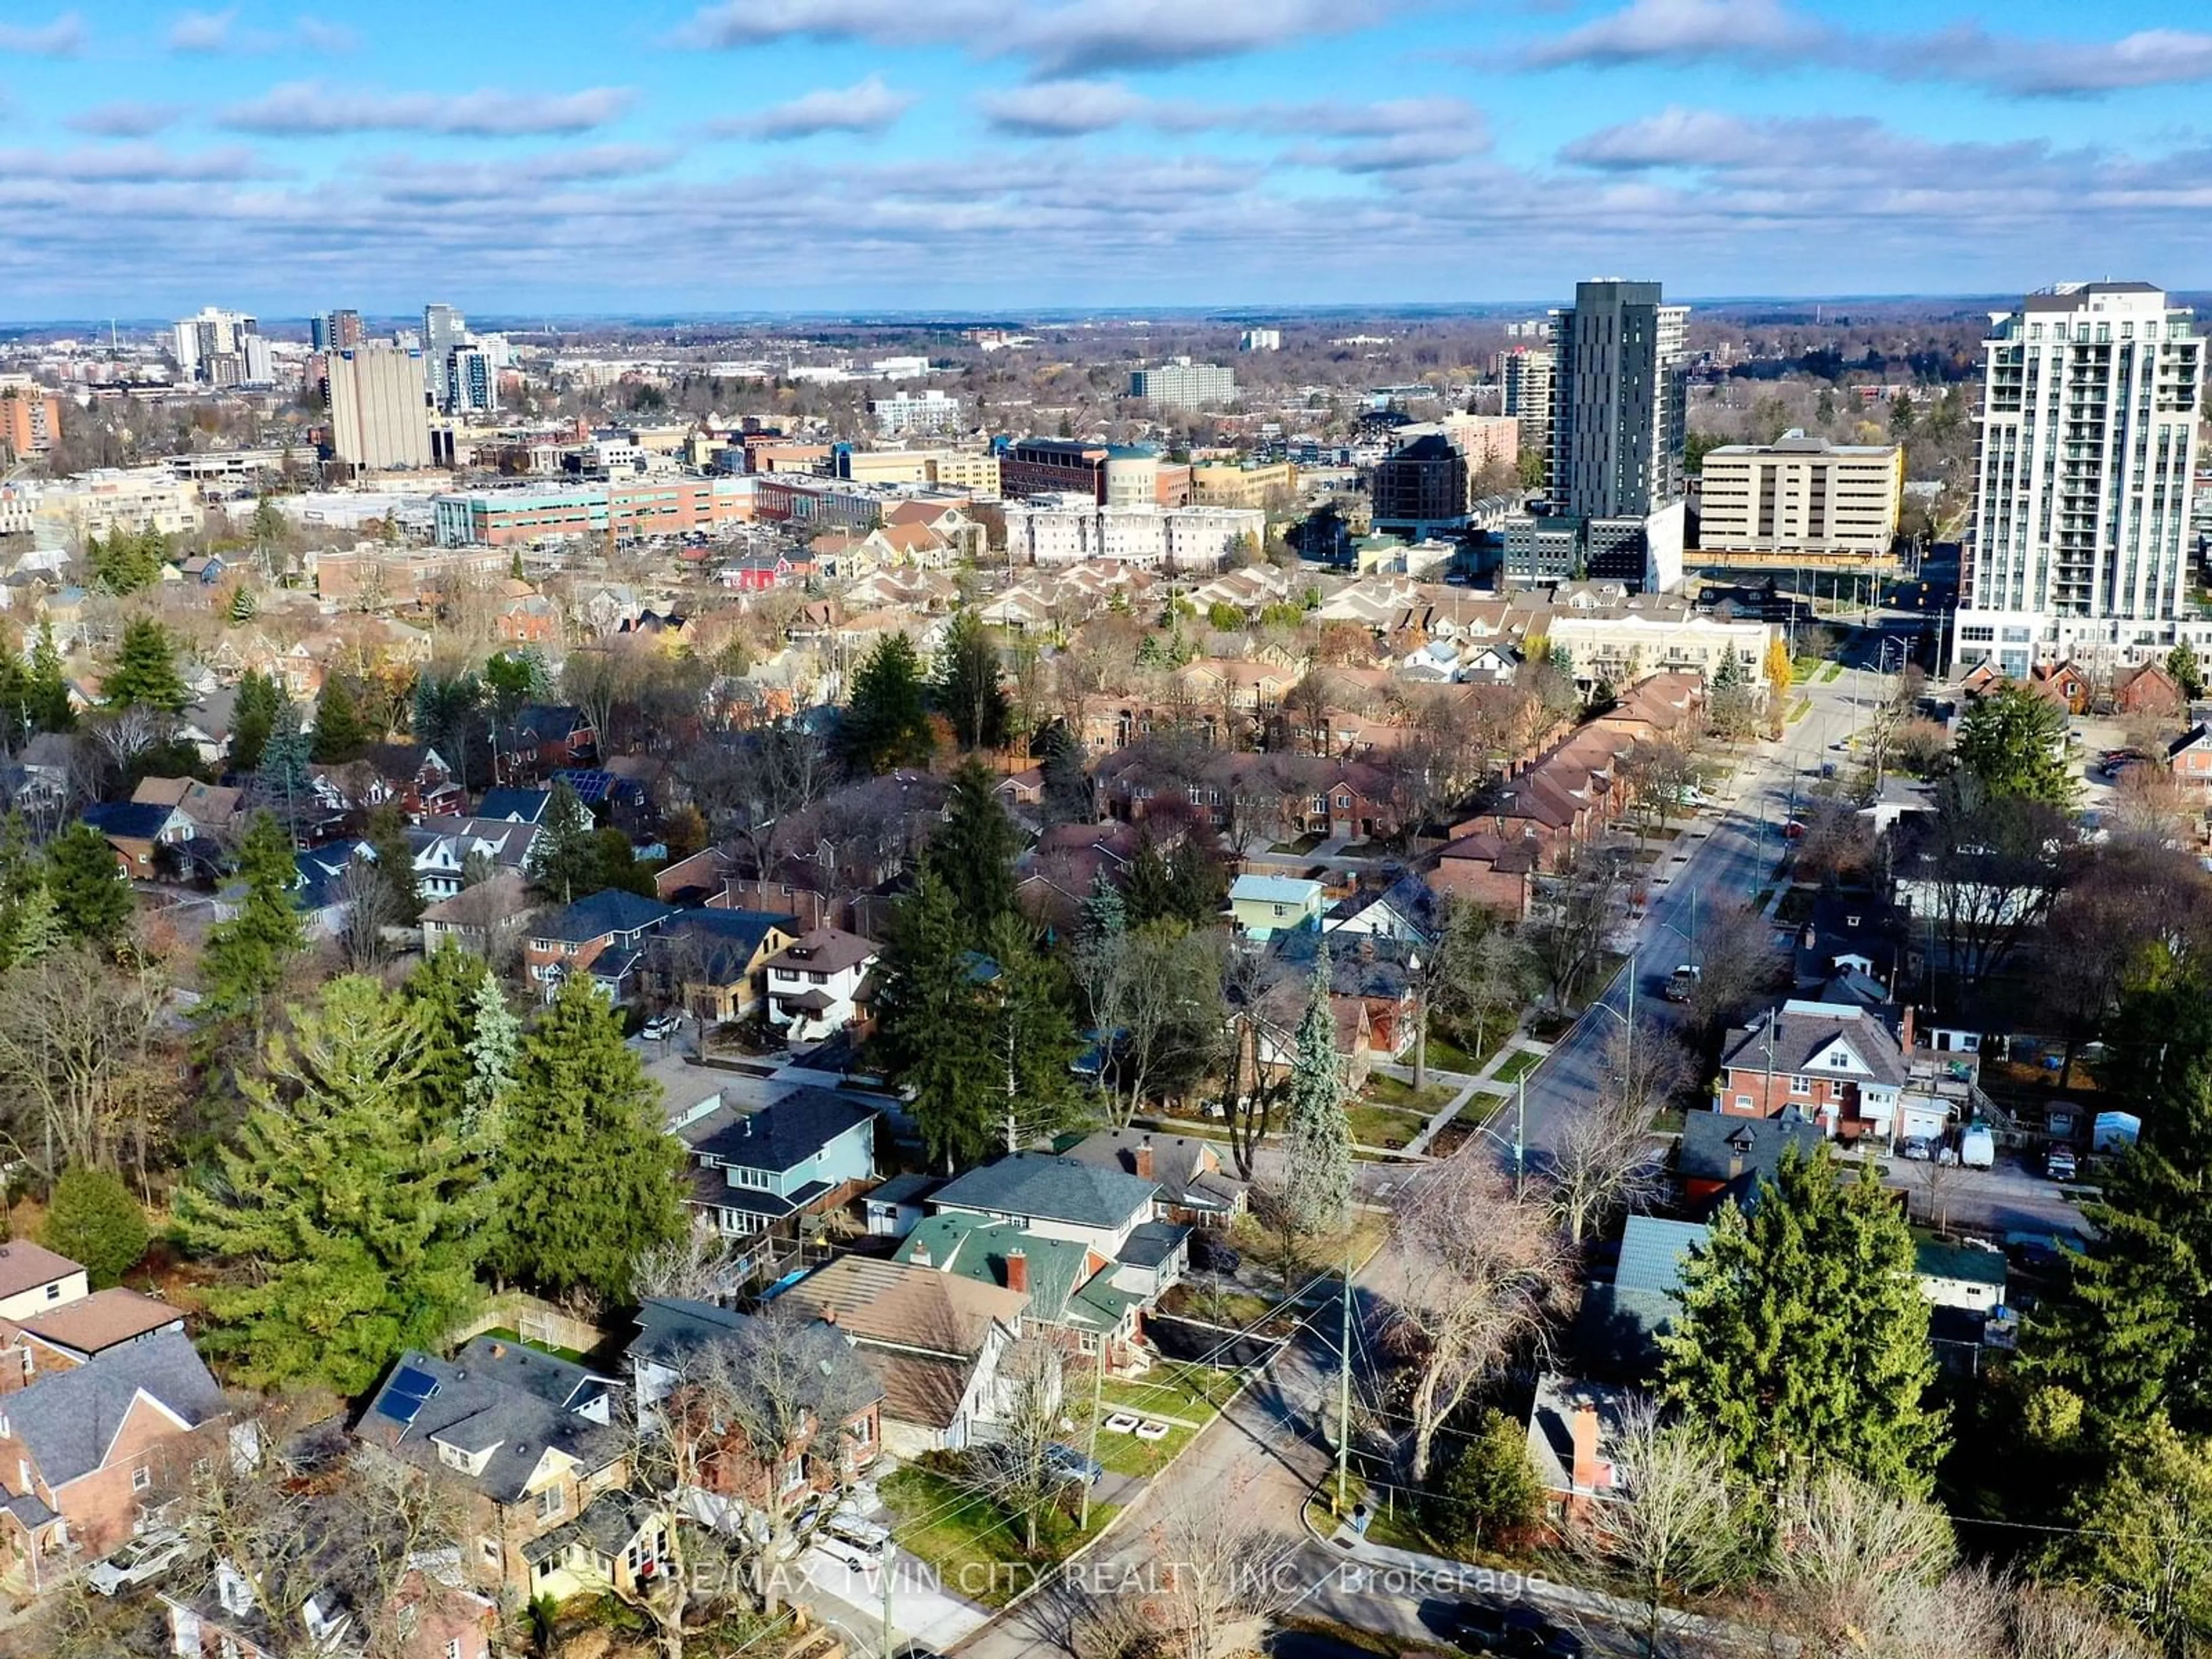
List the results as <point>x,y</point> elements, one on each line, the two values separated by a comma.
<point>981,154</point>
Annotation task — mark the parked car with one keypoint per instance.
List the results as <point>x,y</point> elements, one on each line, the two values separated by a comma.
<point>1210,1256</point>
<point>144,1557</point>
<point>1917,1149</point>
<point>1517,1632</point>
<point>2058,1163</point>
<point>1068,1464</point>
<point>1682,983</point>
<point>860,1545</point>
<point>1978,1147</point>
<point>1793,830</point>
<point>661,1027</point>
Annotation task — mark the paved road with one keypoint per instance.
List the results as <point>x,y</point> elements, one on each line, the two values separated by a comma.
<point>1725,859</point>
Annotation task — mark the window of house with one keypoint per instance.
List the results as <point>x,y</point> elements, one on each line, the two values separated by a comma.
<point>141,1477</point>
<point>550,1503</point>
<point>54,1291</point>
<point>454,1648</point>
<point>489,1548</point>
<point>1800,1085</point>
<point>863,1431</point>
<point>1743,1102</point>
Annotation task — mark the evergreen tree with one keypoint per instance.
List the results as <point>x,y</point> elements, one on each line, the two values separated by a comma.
<point>2142,1538</point>
<point>253,717</point>
<point>2015,743</point>
<point>615,864</point>
<point>339,734</point>
<point>394,864</point>
<point>564,859</point>
<point>284,783</point>
<point>1066,777</point>
<point>93,1220</point>
<point>1318,1137</point>
<point>244,607</point>
<point>1489,1493</point>
<point>1803,1339</point>
<point>2187,669</point>
<point>90,896</point>
<point>886,720</point>
<point>1032,1034</point>
<point>126,560</point>
<point>967,688</point>
<point>1148,885</point>
<point>974,850</point>
<point>33,929</point>
<point>1104,915</point>
<point>145,672</point>
<point>512,678</point>
<point>495,1049</point>
<point>17,721</point>
<point>439,997</point>
<point>931,1035</point>
<point>49,695</point>
<point>590,1178</point>
<point>356,1215</point>
<point>1198,878</point>
<point>245,956</point>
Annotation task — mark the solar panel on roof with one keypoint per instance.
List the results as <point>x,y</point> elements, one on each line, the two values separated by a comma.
<point>589,786</point>
<point>403,1395</point>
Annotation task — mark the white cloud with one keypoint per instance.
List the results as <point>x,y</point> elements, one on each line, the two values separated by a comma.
<point>1066,109</point>
<point>1400,132</point>
<point>1773,34</point>
<point>203,30</point>
<point>130,163</point>
<point>868,106</point>
<point>63,38</point>
<point>1070,37</point>
<point>319,34</point>
<point>300,108</point>
<point>125,118</point>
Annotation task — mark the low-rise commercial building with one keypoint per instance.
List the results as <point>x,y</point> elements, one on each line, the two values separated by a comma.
<point>99,503</point>
<point>930,411</point>
<point>1224,484</point>
<point>624,508</point>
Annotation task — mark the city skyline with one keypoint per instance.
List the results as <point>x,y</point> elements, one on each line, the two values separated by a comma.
<point>800,155</point>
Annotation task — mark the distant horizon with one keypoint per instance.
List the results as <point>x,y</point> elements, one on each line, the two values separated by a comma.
<point>1227,313</point>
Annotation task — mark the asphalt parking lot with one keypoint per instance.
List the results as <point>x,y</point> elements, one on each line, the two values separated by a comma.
<point>2015,1196</point>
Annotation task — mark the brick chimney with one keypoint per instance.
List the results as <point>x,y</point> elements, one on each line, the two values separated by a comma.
<point>1144,1159</point>
<point>1018,1270</point>
<point>1590,1472</point>
<point>1905,1031</point>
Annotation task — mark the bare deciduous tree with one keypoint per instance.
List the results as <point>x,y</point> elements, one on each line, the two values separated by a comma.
<point>1605,1161</point>
<point>78,1035</point>
<point>1672,1527</point>
<point>1220,1569</point>
<point>1014,1472</point>
<point>1481,1269</point>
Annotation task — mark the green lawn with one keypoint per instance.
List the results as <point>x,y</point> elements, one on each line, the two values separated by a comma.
<point>1234,1309</point>
<point>1518,1065</point>
<point>1831,672</point>
<point>1801,708</point>
<point>1194,1393</point>
<point>1303,845</point>
<point>1382,1126</point>
<point>1446,1055</point>
<point>975,1549</point>
<point>1382,1091</point>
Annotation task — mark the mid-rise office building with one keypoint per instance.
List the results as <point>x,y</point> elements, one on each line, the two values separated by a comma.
<point>2090,397</point>
<point>1421,490</point>
<point>335,330</point>
<point>1251,484</point>
<point>221,347</point>
<point>1180,383</point>
<point>1055,467</point>
<point>378,417</point>
<point>1528,374</point>
<point>1802,495</point>
<point>1261,339</point>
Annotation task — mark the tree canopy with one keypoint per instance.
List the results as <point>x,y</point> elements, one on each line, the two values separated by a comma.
<point>886,720</point>
<point>2015,741</point>
<point>145,673</point>
<point>967,689</point>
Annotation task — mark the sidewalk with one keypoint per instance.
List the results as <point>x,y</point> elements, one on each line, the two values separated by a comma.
<point>1483,1082</point>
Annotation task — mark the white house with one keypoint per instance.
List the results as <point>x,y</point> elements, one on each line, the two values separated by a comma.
<point>812,982</point>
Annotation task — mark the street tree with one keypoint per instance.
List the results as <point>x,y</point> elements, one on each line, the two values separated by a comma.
<point>1604,1162</point>
<point>1576,908</point>
<point>1482,1274</point>
<point>1014,1473</point>
<point>1678,1527</point>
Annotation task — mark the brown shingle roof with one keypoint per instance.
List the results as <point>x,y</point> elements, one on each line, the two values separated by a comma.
<point>102,1320</point>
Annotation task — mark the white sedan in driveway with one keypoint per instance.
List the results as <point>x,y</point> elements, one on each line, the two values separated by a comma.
<point>147,1556</point>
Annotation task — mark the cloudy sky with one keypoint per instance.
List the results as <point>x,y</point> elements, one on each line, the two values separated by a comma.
<point>745,154</point>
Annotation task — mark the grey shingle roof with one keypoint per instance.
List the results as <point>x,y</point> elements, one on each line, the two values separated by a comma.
<point>1038,1184</point>
<point>1799,1034</point>
<point>1652,1253</point>
<point>484,1398</point>
<point>1716,1146</point>
<point>1187,1170</point>
<point>782,1135</point>
<point>611,911</point>
<point>68,1419</point>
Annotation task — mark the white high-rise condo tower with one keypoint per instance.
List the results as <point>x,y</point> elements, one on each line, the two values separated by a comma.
<point>2088,442</point>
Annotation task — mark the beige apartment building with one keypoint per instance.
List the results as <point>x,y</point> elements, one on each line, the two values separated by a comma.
<point>975,470</point>
<point>1802,495</point>
<point>1226,484</point>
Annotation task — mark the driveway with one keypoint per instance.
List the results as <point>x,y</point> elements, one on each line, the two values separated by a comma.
<point>2014,1197</point>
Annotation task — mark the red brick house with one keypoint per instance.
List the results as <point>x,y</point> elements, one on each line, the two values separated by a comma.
<point>2190,758</point>
<point>1496,872</point>
<point>603,935</point>
<point>842,1412</point>
<point>89,1452</point>
<point>2147,689</point>
<point>1839,1066</point>
<point>2063,683</point>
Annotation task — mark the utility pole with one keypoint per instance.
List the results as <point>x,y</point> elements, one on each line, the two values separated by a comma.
<point>1520,1137</point>
<point>1097,1403</point>
<point>1344,1388</point>
<point>883,1573</point>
